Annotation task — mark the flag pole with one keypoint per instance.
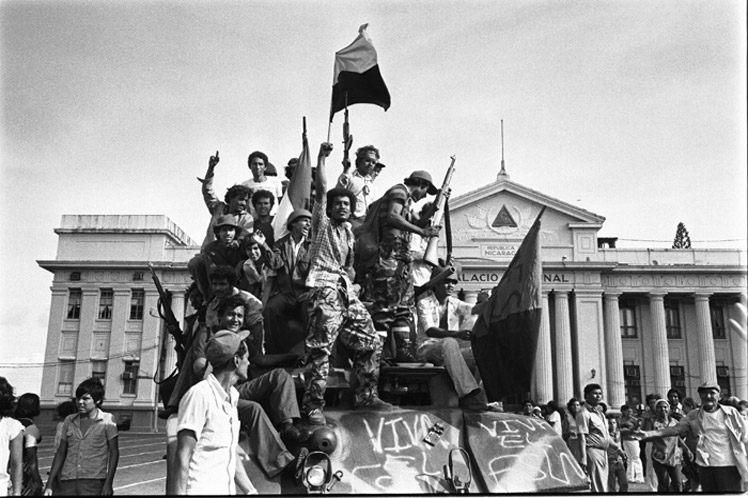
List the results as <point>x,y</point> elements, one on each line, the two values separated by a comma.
<point>347,137</point>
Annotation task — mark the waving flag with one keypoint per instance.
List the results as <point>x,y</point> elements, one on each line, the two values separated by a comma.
<point>507,329</point>
<point>299,192</point>
<point>357,77</point>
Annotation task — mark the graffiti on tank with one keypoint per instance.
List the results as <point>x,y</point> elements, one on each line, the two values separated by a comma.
<point>528,456</point>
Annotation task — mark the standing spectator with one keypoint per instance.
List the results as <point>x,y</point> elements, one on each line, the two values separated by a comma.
<point>628,425</point>
<point>666,455</point>
<point>63,410</point>
<point>647,418</point>
<point>554,416</point>
<point>87,458</point>
<point>27,409</point>
<point>617,481</point>
<point>208,427</point>
<point>11,444</point>
<point>690,468</point>
<point>721,448</point>
<point>676,408</point>
<point>595,438</point>
<point>570,432</point>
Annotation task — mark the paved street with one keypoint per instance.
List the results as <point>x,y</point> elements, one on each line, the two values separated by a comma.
<point>141,470</point>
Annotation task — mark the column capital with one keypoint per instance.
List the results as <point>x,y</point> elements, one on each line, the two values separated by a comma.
<point>702,296</point>
<point>612,296</point>
<point>561,293</point>
<point>657,295</point>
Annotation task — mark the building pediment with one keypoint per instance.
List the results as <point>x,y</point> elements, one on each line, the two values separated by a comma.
<point>494,219</point>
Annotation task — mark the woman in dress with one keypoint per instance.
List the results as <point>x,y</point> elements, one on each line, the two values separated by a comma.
<point>569,429</point>
<point>628,424</point>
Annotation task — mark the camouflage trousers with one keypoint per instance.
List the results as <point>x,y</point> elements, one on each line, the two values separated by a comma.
<point>333,314</point>
<point>391,284</point>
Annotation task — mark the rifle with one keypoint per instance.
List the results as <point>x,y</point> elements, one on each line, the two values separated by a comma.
<point>430,255</point>
<point>167,315</point>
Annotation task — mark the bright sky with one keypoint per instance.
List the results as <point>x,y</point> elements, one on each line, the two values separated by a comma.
<point>634,110</point>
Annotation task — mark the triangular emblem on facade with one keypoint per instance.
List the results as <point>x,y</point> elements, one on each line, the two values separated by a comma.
<point>504,219</point>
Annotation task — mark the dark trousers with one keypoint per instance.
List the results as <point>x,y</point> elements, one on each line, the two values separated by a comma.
<point>80,487</point>
<point>271,394</point>
<point>720,480</point>
<point>669,477</point>
<point>281,335</point>
<point>617,481</point>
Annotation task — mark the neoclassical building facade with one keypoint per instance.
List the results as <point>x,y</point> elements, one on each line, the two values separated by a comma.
<point>633,320</point>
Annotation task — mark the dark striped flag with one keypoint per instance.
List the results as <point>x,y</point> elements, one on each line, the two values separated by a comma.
<point>506,332</point>
<point>357,75</point>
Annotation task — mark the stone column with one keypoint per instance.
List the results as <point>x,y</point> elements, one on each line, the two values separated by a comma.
<point>740,347</point>
<point>543,374</point>
<point>615,392</point>
<point>57,313</point>
<point>707,360</point>
<point>660,353</point>
<point>88,315</point>
<point>564,367</point>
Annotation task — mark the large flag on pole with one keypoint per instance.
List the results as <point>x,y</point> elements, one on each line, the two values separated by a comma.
<point>507,329</point>
<point>357,75</point>
<point>298,194</point>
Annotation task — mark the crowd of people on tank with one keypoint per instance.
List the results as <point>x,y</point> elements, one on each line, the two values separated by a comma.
<point>344,280</point>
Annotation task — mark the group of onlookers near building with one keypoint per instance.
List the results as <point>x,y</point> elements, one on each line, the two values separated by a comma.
<point>671,444</point>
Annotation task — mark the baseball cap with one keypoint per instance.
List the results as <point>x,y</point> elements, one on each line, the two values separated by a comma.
<point>226,220</point>
<point>223,346</point>
<point>709,385</point>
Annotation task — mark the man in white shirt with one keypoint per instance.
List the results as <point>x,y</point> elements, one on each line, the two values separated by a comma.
<point>360,182</point>
<point>258,163</point>
<point>722,437</point>
<point>208,426</point>
<point>443,338</point>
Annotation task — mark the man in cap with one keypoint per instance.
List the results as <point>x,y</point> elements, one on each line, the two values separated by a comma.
<point>722,437</point>
<point>235,203</point>
<point>208,426</point>
<point>444,325</point>
<point>288,268</point>
<point>389,284</point>
<point>359,181</point>
<point>224,251</point>
<point>335,310</point>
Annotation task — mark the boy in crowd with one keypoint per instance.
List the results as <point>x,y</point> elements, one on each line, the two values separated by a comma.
<point>87,457</point>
